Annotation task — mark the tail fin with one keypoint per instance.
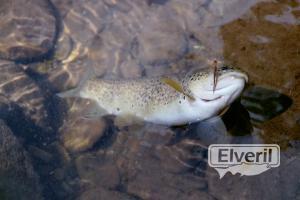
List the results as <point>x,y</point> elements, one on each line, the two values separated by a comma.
<point>70,93</point>
<point>75,92</point>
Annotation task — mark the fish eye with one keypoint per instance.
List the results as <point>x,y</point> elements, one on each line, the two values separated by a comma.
<point>226,67</point>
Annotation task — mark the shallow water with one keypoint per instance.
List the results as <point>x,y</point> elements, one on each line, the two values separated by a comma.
<point>66,156</point>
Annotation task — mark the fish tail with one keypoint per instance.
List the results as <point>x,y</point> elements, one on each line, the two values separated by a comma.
<point>75,92</point>
<point>70,93</point>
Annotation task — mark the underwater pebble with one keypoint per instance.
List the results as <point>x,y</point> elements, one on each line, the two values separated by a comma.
<point>81,134</point>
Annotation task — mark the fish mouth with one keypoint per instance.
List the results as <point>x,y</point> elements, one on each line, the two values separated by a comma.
<point>228,79</point>
<point>229,85</point>
<point>209,100</point>
<point>235,74</point>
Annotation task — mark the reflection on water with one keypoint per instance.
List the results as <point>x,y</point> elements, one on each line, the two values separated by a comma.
<point>264,104</point>
<point>58,154</point>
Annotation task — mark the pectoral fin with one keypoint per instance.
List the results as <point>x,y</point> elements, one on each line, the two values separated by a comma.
<point>95,112</point>
<point>70,93</point>
<point>177,86</point>
<point>127,120</point>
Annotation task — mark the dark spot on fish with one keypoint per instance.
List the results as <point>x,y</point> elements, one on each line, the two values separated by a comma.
<point>118,109</point>
<point>180,102</point>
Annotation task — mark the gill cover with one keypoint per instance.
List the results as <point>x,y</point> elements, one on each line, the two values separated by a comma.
<point>177,86</point>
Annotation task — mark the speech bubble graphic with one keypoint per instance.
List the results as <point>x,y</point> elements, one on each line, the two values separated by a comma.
<point>245,159</point>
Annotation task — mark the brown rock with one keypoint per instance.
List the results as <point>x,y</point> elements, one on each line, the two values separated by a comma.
<point>161,40</point>
<point>26,35</point>
<point>18,178</point>
<point>82,134</point>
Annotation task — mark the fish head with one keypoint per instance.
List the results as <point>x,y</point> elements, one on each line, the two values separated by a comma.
<point>218,92</point>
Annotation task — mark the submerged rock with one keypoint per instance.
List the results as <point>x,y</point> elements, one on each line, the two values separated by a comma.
<point>79,133</point>
<point>162,40</point>
<point>18,179</point>
<point>264,104</point>
<point>28,29</point>
<point>18,88</point>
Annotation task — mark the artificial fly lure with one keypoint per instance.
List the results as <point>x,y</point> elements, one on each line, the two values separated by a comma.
<point>215,70</point>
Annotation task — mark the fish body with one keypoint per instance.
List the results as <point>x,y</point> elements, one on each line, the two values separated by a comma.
<point>167,100</point>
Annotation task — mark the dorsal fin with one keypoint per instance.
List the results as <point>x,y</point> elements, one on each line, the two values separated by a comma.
<point>176,85</point>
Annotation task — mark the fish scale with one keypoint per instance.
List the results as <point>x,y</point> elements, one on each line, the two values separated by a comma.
<point>140,95</point>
